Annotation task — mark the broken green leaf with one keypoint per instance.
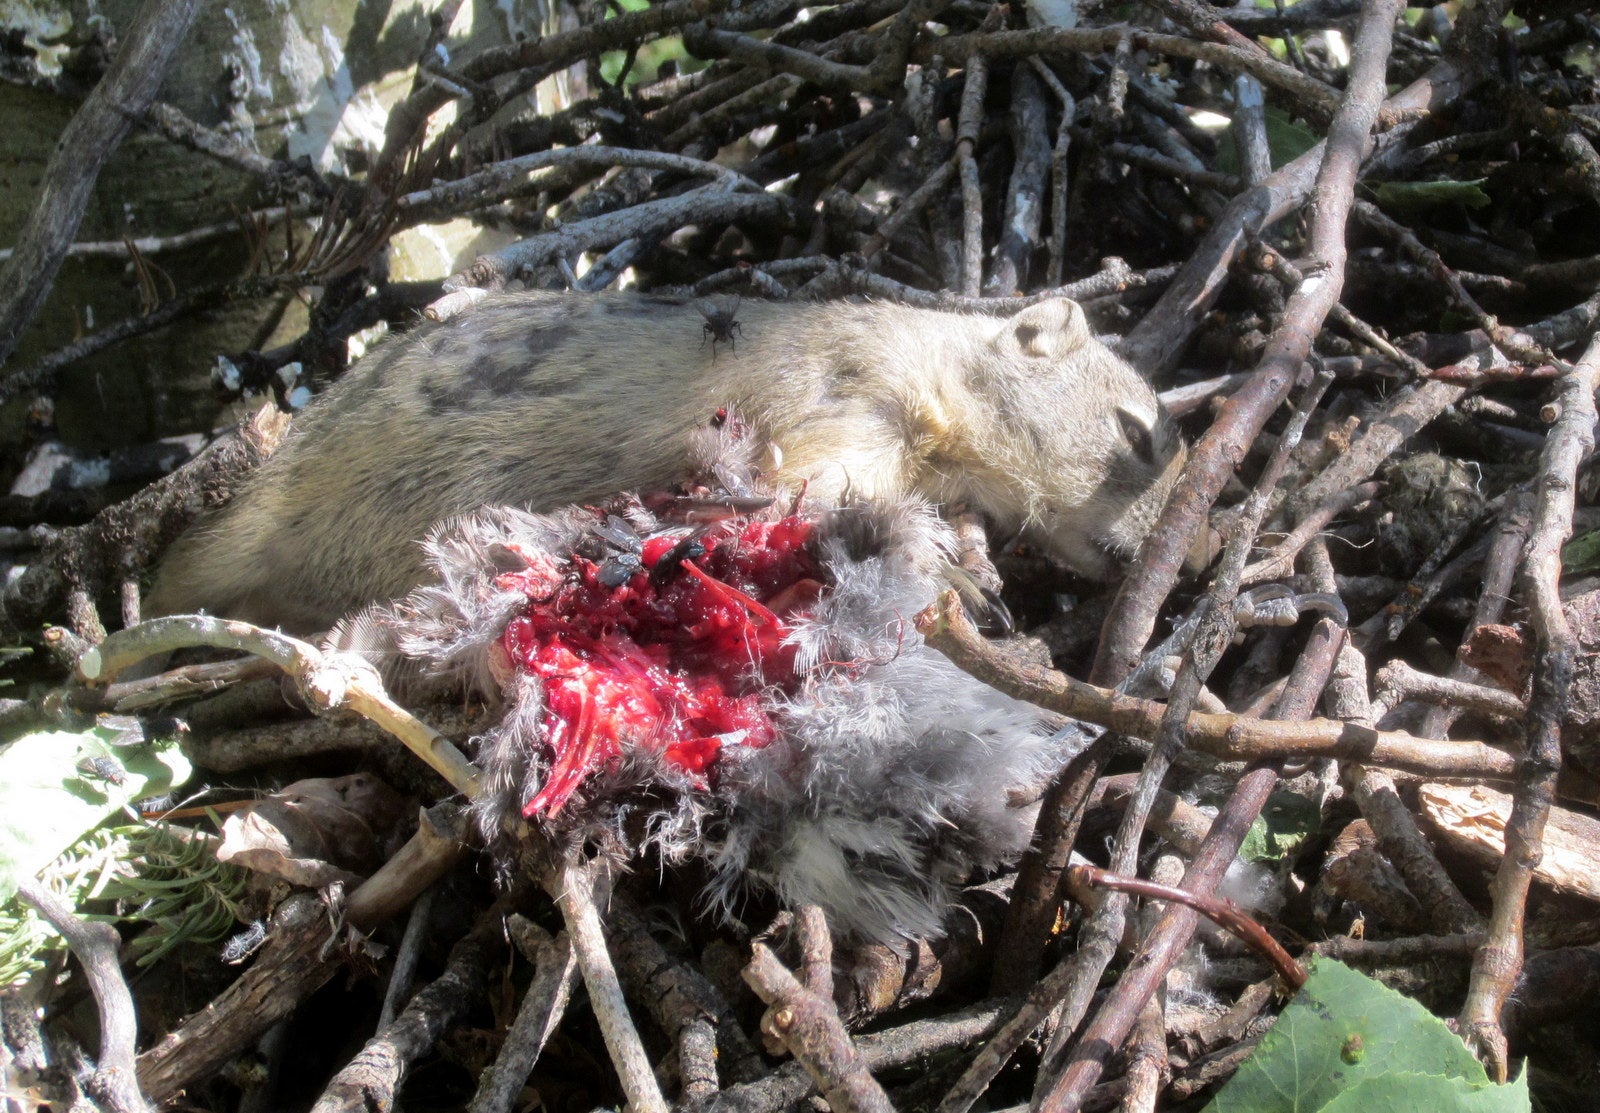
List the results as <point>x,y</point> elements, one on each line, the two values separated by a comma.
<point>1424,195</point>
<point>1347,1044</point>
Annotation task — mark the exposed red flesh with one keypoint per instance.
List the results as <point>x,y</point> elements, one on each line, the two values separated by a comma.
<point>675,669</point>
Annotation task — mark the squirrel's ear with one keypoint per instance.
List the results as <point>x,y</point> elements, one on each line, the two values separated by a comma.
<point>1050,329</point>
<point>1138,434</point>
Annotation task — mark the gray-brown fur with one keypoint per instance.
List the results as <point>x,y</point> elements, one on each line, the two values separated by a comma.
<point>539,400</point>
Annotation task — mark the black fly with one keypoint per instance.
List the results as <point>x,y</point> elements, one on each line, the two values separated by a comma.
<point>618,553</point>
<point>690,548</point>
<point>721,323</point>
<point>618,569</point>
<point>618,550</point>
<point>102,768</point>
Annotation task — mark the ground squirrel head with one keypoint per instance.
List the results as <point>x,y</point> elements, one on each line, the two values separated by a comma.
<point>1073,430</point>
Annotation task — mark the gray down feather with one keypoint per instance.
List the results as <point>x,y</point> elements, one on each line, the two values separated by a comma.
<point>888,784</point>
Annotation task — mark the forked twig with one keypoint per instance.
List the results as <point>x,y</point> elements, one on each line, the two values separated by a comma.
<point>327,681</point>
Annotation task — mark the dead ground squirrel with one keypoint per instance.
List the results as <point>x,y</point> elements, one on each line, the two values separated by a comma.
<point>540,400</point>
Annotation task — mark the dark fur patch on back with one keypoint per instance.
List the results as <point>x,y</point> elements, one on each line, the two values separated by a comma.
<point>445,398</point>
<point>360,383</point>
<point>454,339</point>
<point>495,371</point>
<point>541,342</point>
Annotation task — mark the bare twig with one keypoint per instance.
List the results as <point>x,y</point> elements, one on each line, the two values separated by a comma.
<point>816,950</point>
<point>697,1062</point>
<point>503,179</point>
<point>1519,345</point>
<point>1402,951</point>
<point>1146,1052</point>
<point>887,68</point>
<point>296,960</point>
<point>1495,967</point>
<point>372,1079</point>
<point>1400,419</point>
<point>878,1050</point>
<point>968,124</point>
<point>155,245</point>
<point>538,55</point>
<point>169,122</point>
<point>1219,910</point>
<point>554,979</point>
<point>651,218</point>
<point>1058,170</point>
<point>913,204</point>
<point>1222,734</point>
<point>1205,21</point>
<point>1279,561</point>
<point>405,959</point>
<point>1308,95</point>
<point>1397,681</point>
<point>578,888</point>
<point>1286,272</point>
<point>810,1028</point>
<point>676,992</point>
<point>41,376</point>
<point>1024,209</point>
<point>1250,129</point>
<point>1135,155</point>
<point>710,42</point>
<point>1404,845</point>
<point>1499,571</point>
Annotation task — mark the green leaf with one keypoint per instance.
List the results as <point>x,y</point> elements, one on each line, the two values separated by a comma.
<point>1582,553</point>
<point>1426,195</point>
<point>1286,822</point>
<point>47,802</point>
<point>1286,141</point>
<point>1409,1093</point>
<point>1346,1043</point>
